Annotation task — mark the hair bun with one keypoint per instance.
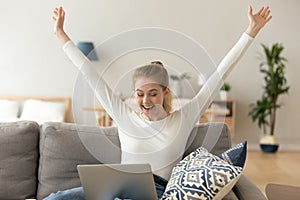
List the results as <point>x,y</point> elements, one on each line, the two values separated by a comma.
<point>157,62</point>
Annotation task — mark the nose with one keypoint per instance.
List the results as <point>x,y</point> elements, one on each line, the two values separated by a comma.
<point>146,99</point>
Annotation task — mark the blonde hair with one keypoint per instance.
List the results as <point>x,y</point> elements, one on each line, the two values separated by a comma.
<point>156,71</point>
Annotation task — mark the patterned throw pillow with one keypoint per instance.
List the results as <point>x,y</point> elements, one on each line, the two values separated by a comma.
<point>236,155</point>
<point>201,175</point>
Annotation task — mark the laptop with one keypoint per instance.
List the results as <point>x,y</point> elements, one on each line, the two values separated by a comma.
<point>124,181</point>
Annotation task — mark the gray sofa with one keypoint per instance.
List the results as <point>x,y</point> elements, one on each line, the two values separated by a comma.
<point>37,160</point>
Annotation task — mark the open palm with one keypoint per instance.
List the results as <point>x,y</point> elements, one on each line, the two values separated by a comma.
<point>258,20</point>
<point>58,18</point>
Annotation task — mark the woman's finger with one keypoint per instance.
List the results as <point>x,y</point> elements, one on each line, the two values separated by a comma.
<point>54,18</point>
<point>250,10</point>
<point>259,11</point>
<point>263,13</point>
<point>269,18</point>
<point>61,12</point>
<point>267,14</point>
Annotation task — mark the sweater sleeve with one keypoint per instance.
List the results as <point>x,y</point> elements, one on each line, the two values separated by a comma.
<point>111,103</point>
<point>194,109</point>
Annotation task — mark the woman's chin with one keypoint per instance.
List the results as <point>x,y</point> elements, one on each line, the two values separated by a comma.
<point>146,112</point>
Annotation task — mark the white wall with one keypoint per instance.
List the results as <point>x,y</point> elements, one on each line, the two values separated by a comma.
<point>32,62</point>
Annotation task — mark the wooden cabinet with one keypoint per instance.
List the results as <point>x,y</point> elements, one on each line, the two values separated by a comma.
<point>221,111</point>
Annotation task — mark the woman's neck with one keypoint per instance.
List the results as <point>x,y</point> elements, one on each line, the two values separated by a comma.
<point>154,118</point>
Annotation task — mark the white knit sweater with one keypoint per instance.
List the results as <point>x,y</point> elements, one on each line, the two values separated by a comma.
<point>160,143</point>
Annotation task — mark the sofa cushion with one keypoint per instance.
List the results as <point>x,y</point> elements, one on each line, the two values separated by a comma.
<point>18,159</point>
<point>236,155</point>
<point>64,146</point>
<point>201,175</point>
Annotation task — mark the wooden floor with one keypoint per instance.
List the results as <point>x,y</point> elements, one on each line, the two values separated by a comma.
<point>281,168</point>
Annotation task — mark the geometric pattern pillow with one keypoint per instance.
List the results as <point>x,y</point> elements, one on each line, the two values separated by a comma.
<point>236,155</point>
<point>201,175</point>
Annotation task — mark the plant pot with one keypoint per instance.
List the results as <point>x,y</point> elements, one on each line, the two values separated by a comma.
<point>223,94</point>
<point>269,144</point>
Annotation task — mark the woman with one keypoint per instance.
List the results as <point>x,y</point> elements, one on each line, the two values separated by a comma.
<point>154,135</point>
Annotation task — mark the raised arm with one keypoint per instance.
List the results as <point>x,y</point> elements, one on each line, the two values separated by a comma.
<point>112,103</point>
<point>212,86</point>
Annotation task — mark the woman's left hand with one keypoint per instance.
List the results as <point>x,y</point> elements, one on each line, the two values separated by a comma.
<point>258,20</point>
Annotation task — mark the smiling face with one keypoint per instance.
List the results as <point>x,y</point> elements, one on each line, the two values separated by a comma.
<point>151,90</point>
<point>150,97</point>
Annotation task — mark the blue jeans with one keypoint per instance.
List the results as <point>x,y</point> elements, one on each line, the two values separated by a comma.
<point>78,193</point>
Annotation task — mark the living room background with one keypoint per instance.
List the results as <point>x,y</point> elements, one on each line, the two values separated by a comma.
<point>33,63</point>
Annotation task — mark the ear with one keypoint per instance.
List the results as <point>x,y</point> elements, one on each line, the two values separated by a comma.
<point>167,91</point>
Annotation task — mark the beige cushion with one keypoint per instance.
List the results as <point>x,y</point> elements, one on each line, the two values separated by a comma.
<point>43,111</point>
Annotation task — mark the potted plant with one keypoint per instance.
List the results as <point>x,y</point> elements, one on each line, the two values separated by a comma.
<point>275,84</point>
<point>224,91</point>
<point>175,83</point>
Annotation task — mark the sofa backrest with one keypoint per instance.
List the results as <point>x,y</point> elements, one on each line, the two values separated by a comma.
<point>214,136</point>
<point>64,146</point>
<point>38,160</point>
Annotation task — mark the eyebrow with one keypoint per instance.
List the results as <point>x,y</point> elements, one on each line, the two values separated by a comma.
<point>152,90</point>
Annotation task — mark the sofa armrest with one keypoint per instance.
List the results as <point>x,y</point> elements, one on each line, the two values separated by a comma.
<point>246,190</point>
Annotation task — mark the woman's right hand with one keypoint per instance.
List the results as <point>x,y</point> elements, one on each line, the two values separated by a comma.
<point>59,18</point>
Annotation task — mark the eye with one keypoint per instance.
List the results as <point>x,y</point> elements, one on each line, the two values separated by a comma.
<point>139,94</point>
<point>153,94</point>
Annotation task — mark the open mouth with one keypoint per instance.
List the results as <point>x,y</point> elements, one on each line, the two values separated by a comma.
<point>147,108</point>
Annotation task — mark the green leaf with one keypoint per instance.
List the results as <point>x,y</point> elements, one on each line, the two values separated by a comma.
<point>272,67</point>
